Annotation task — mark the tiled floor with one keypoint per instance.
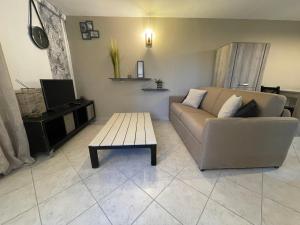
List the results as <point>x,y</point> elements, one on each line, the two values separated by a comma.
<point>127,190</point>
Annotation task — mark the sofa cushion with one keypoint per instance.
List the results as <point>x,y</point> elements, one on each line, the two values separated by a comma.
<point>194,121</point>
<point>179,108</point>
<point>269,105</point>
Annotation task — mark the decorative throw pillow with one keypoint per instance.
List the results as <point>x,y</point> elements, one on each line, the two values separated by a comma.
<point>194,97</point>
<point>248,110</point>
<point>230,107</point>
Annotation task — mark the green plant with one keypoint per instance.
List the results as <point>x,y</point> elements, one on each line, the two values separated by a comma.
<point>115,58</point>
<point>158,81</point>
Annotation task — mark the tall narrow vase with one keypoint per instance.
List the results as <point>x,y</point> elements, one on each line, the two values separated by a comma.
<point>117,70</point>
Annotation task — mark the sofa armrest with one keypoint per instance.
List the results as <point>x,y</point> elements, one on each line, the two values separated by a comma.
<point>177,99</point>
<point>247,142</point>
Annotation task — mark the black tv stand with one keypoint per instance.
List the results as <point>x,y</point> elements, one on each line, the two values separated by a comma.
<point>53,128</point>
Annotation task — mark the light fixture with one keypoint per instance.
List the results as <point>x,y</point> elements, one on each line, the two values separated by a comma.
<point>148,38</point>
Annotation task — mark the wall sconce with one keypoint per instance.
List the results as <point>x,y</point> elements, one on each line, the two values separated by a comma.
<point>148,38</point>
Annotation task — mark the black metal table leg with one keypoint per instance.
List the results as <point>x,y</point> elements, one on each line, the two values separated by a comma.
<point>153,155</point>
<point>94,157</point>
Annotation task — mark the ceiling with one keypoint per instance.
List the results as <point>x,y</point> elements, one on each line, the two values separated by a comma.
<point>225,9</point>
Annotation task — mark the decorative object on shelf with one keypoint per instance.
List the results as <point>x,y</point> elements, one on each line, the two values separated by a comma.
<point>148,38</point>
<point>129,79</point>
<point>115,58</point>
<point>159,83</point>
<point>155,89</point>
<point>37,34</point>
<point>87,30</point>
<point>140,69</point>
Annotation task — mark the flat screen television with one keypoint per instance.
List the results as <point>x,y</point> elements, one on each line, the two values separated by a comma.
<point>57,93</point>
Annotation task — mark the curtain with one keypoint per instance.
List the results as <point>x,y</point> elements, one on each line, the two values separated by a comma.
<point>53,21</point>
<point>14,147</point>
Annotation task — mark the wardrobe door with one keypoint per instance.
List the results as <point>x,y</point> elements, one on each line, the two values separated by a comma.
<point>224,65</point>
<point>249,65</point>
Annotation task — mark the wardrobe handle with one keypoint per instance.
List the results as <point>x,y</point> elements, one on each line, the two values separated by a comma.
<point>244,85</point>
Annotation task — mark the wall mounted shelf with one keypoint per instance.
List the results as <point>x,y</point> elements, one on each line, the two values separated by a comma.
<point>155,89</point>
<point>130,79</point>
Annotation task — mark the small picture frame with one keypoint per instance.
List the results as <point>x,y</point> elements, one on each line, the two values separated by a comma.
<point>140,69</point>
<point>86,36</point>
<point>94,34</point>
<point>89,25</point>
<point>83,27</point>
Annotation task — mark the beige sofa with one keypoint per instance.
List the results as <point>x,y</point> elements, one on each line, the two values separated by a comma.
<point>234,142</point>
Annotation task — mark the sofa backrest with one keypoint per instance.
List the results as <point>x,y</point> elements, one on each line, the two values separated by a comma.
<point>269,105</point>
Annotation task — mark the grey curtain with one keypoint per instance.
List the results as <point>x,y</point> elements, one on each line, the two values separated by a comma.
<point>53,21</point>
<point>14,148</point>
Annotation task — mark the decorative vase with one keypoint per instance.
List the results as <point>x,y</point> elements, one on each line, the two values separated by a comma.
<point>115,59</point>
<point>159,85</point>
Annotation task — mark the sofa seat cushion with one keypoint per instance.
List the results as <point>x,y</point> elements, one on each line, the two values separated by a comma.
<point>179,108</point>
<point>195,121</point>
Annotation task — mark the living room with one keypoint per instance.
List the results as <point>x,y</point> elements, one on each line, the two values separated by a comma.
<point>150,112</point>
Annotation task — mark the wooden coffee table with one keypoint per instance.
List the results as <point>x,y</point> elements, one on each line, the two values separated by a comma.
<point>125,130</point>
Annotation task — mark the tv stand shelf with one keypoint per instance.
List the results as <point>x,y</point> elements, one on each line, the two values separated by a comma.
<point>52,129</point>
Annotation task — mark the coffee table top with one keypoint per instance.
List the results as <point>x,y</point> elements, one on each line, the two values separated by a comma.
<point>126,129</point>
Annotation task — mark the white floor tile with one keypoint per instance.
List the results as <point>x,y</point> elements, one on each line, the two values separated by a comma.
<point>183,202</point>
<point>281,192</point>
<point>17,179</point>
<point>55,183</point>
<point>215,214</point>
<point>49,165</point>
<point>274,213</point>
<point>17,202</point>
<point>93,216</point>
<point>152,180</point>
<point>244,202</point>
<point>104,182</point>
<point>248,178</point>
<point>202,181</point>
<point>155,214</point>
<point>66,205</point>
<point>124,204</point>
<point>30,217</point>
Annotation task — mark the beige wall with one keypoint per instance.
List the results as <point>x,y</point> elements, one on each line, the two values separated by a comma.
<point>25,61</point>
<point>182,55</point>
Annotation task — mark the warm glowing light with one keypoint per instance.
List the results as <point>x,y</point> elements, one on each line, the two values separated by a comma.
<point>148,37</point>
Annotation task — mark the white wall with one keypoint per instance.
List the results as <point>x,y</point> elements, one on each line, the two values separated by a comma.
<point>182,56</point>
<point>25,61</point>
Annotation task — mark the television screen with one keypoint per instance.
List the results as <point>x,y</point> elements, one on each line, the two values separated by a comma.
<point>57,92</point>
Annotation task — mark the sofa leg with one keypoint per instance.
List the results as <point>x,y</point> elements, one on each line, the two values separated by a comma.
<point>202,170</point>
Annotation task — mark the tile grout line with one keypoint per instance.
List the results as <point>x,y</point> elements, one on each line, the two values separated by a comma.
<point>84,211</point>
<point>202,211</point>
<point>235,213</point>
<point>37,203</point>
<point>82,181</point>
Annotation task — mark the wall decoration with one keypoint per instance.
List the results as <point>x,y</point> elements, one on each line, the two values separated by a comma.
<point>86,36</point>
<point>94,34</point>
<point>83,27</point>
<point>37,34</point>
<point>87,30</point>
<point>140,69</point>
<point>89,25</point>
<point>54,21</point>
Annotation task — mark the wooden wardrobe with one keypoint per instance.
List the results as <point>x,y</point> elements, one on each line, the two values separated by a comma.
<point>240,65</point>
